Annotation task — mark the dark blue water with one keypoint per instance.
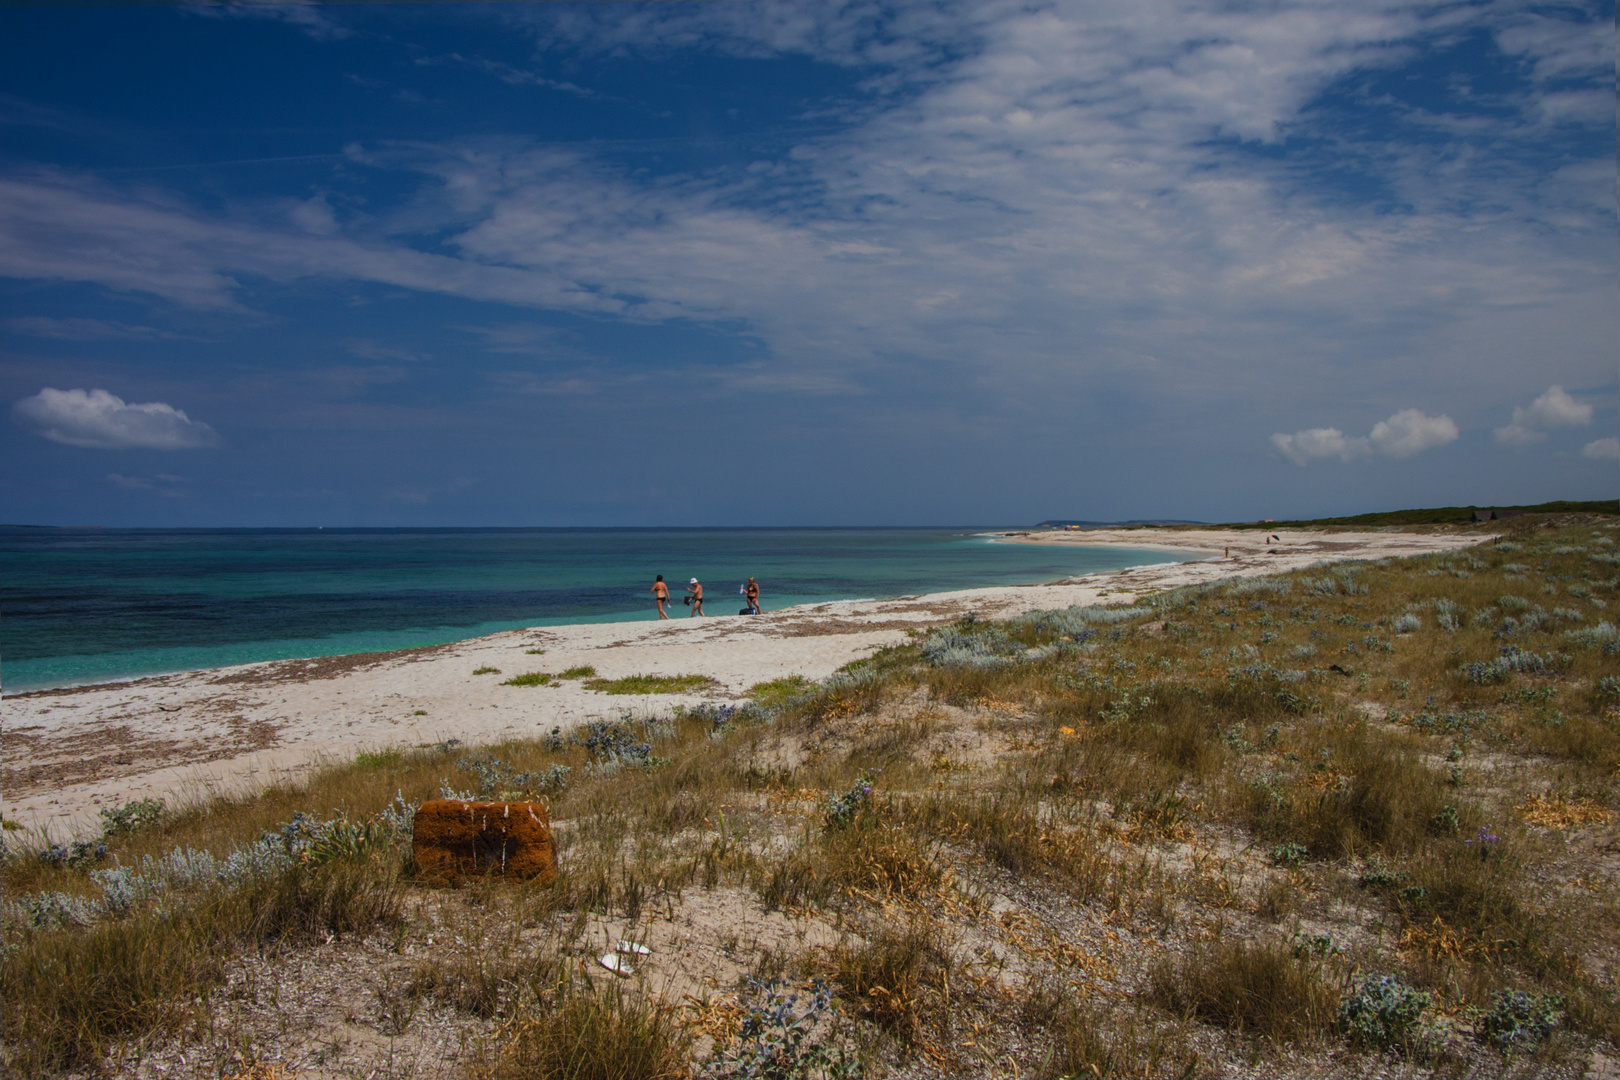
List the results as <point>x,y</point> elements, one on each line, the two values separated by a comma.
<point>87,605</point>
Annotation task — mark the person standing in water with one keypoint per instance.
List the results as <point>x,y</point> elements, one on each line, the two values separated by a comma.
<point>751,591</point>
<point>695,597</point>
<point>660,593</point>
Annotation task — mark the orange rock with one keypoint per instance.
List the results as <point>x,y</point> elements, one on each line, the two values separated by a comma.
<point>453,840</point>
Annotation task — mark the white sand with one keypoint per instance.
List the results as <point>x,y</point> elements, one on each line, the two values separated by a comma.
<point>67,753</point>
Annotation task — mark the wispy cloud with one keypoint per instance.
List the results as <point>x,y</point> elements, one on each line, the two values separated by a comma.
<point>1038,216</point>
<point>165,484</point>
<point>85,329</point>
<point>1038,167</point>
<point>313,21</point>
<point>370,349</point>
<point>102,421</point>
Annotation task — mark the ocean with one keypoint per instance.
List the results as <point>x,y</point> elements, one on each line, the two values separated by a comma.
<point>96,605</point>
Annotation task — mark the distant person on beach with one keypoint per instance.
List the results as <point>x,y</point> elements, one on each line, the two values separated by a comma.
<point>660,593</point>
<point>751,591</point>
<point>694,596</point>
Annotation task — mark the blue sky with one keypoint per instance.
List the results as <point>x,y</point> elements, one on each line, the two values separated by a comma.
<point>749,263</point>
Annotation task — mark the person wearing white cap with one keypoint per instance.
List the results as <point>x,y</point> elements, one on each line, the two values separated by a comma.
<point>694,596</point>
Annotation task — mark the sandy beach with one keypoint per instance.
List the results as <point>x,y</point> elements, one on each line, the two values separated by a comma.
<point>70,752</point>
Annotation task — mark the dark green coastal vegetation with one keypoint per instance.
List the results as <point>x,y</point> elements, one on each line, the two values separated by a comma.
<point>1366,809</point>
<point>1445,515</point>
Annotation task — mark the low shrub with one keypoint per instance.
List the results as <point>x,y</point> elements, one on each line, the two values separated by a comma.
<point>1603,633</point>
<point>1520,1021</point>
<point>1382,1011</point>
<point>131,817</point>
<point>970,646</point>
<point>779,1038</point>
<point>841,811</point>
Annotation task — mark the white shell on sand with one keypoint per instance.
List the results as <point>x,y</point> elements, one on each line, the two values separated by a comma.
<point>633,948</point>
<point>616,964</point>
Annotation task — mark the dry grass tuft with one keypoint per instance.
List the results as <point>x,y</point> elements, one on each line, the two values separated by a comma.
<point>264,1070</point>
<point>1259,988</point>
<point>586,1031</point>
<point>888,977</point>
<point>1558,812</point>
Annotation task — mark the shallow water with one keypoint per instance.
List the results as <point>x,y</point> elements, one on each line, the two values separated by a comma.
<point>88,605</point>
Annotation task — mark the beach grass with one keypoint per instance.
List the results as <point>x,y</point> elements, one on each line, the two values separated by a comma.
<point>532,678</point>
<point>652,684</point>
<point>1263,820</point>
<point>779,692</point>
<point>582,671</point>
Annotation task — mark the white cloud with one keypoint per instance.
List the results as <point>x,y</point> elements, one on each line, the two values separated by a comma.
<point>1554,409</point>
<point>1303,447</point>
<point>1602,449</point>
<point>1018,178</point>
<point>103,421</point>
<point>1408,432</point>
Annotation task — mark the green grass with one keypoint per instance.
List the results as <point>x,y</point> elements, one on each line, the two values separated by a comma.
<point>486,670</point>
<point>534,652</point>
<point>652,684</point>
<point>533,678</point>
<point>583,671</point>
<point>780,691</point>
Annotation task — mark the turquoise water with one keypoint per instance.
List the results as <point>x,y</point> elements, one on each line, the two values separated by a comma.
<point>93,605</point>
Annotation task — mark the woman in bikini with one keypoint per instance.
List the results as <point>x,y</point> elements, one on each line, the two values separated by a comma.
<point>660,593</point>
